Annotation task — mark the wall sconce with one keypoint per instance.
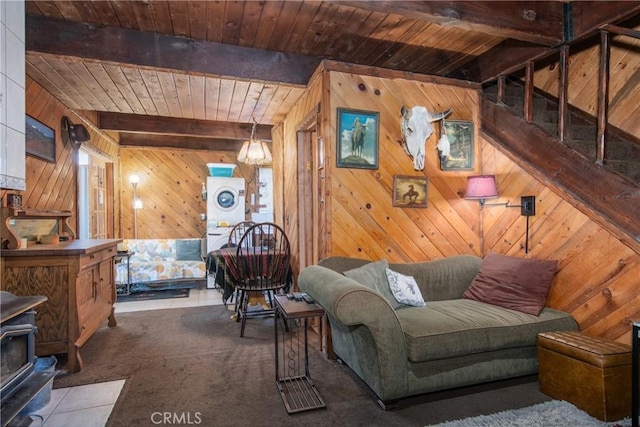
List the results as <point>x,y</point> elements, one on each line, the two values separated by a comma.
<point>74,134</point>
<point>137,203</point>
<point>255,151</point>
<point>482,187</point>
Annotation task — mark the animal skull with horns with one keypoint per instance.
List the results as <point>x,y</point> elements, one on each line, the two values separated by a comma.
<point>416,127</point>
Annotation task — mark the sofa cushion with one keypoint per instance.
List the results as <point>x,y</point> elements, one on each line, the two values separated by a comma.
<point>404,289</point>
<point>188,250</point>
<point>373,276</point>
<point>515,283</point>
<point>150,250</point>
<point>442,279</point>
<point>446,329</point>
<point>158,260</point>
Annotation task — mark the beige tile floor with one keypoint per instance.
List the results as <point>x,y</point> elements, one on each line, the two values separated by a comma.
<point>90,405</point>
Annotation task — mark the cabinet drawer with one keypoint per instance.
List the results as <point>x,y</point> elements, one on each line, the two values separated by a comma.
<point>97,257</point>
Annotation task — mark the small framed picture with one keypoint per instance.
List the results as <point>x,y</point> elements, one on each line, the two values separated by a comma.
<point>458,155</point>
<point>357,139</point>
<point>410,191</point>
<point>40,140</point>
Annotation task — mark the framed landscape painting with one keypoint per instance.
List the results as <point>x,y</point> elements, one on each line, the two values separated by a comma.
<point>410,191</point>
<point>357,139</point>
<point>40,140</point>
<point>460,135</point>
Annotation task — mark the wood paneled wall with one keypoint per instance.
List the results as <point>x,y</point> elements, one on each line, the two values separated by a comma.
<point>364,221</point>
<point>598,277</point>
<point>170,190</point>
<point>286,165</point>
<point>53,186</point>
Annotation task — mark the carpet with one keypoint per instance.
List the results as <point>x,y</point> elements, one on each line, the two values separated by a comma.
<point>553,413</point>
<point>191,362</point>
<point>154,294</point>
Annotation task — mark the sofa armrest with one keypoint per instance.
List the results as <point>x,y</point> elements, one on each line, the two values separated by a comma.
<point>354,305</point>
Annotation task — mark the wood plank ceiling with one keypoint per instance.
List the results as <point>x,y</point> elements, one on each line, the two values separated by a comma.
<point>233,63</point>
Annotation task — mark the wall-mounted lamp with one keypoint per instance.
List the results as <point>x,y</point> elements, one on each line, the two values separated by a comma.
<point>137,203</point>
<point>255,151</point>
<point>482,187</point>
<point>74,134</point>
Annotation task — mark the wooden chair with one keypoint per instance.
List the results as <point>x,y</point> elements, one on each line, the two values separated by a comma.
<point>237,232</point>
<point>234,238</point>
<point>263,260</point>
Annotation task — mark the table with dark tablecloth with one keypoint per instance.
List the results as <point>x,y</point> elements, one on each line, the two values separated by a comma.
<point>221,265</point>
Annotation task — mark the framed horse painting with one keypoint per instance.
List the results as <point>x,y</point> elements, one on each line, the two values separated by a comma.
<point>357,139</point>
<point>410,191</point>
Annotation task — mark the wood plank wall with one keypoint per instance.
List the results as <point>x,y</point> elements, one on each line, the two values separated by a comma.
<point>364,221</point>
<point>53,186</point>
<point>598,278</point>
<point>171,180</point>
<point>170,190</point>
<point>598,275</point>
<point>286,166</point>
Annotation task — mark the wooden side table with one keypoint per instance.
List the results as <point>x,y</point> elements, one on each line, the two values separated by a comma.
<point>292,372</point>
<point>119,259</point>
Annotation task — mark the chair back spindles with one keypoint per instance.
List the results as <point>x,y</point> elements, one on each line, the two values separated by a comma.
<point>263,258</point>
<point>237,232</point>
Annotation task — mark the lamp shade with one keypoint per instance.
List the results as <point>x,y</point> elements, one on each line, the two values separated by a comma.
<point>481,187</point>
<point>255,152</point>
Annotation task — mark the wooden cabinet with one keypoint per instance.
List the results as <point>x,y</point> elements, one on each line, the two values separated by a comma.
<point>78,280</point>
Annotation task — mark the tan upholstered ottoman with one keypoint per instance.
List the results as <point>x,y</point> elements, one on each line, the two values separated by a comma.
<point>592,373</point>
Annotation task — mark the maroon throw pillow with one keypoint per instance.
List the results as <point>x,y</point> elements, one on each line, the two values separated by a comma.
<point>520,284</point>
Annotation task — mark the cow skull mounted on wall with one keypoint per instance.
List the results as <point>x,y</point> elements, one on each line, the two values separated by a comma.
<point>416,127</point>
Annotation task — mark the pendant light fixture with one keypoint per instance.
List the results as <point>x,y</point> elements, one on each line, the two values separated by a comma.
<point>255,151</point>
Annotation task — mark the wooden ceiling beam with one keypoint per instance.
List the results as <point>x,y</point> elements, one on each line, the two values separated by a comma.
<point>172,141</point>
<point>586,18</point>
<point>120,45</point>
<point>136,123</point>
<point>503,59</point>
<point>539,22</point>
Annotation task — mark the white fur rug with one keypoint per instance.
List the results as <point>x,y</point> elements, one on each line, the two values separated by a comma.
<point>547,414</point>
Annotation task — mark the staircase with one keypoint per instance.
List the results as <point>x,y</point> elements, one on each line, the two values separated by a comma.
<point>622,154</point>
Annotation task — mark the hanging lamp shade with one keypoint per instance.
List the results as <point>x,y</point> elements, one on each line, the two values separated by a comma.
<point>255,151</point>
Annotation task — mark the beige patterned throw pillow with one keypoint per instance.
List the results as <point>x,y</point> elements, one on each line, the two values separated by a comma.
<point>404,289</point>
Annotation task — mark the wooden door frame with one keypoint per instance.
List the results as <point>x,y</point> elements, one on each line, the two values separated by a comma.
<point>310,189</point>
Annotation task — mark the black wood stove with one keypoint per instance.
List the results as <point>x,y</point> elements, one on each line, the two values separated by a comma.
<point>19,383</point>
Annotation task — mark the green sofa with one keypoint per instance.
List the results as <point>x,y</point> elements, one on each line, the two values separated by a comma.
<point>451,342</point>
